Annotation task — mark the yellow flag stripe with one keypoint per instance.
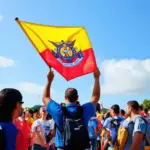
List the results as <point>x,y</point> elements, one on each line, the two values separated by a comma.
<point>40,35</point>
<point>25,31</point>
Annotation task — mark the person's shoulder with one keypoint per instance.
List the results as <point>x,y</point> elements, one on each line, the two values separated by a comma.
<point>140,125</point>
<point>89,109</point>
<point>51,121</point>
<point>89,104</point>
<point>120,119</point>
<point>140,120</point>
<point>109,119</point>
<point>10,125</point>
<point>52,102</point>
<point>37,122</point>
<point>52,106</point>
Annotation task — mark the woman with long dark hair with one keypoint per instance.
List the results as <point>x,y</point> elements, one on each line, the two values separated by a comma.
<point>10,109</point>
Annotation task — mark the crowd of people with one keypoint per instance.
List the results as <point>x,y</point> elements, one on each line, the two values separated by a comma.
<point>71,126</point>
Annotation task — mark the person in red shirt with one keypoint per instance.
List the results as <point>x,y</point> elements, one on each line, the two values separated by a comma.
<point>141,112</point>
<point>146,114</point>
<point>23,134</point>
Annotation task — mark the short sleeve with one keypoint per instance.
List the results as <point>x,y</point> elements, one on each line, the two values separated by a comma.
<point>52,124</point>
<point>55,110</point>
<point>140,126</point>
<point>107,123</point>
<point>89,111</point>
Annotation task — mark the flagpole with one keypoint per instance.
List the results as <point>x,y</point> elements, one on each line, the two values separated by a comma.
<point>50,68</point>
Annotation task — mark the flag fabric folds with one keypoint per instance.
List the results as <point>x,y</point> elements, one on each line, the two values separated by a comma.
<point>66,49</point>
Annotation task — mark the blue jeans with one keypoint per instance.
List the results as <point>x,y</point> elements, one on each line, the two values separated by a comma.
<point>38,147</point>
<point>93,144</point>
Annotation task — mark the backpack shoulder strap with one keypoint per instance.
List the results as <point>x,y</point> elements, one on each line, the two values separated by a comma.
<point>79,112</point>
<point>65,111</point>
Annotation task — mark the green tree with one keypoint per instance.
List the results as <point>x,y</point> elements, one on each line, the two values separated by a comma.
<point>146,104</point>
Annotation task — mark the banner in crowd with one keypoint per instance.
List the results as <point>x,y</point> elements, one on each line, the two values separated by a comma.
<point>66,49</point>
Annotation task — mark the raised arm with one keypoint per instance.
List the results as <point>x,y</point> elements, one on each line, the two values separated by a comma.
<point>46,94</point>
<point>96,90</point>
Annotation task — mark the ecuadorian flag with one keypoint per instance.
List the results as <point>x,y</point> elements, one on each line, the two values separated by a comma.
<point>66,49</point>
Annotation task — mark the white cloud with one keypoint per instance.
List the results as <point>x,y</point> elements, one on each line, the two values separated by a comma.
<point>5,62</point>
<point>30,88</point>
<point>27,88</point>
<point>127,76</point>
<point>1,18</point>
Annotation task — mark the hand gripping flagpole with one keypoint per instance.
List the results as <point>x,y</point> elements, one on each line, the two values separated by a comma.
<point>50,68</point>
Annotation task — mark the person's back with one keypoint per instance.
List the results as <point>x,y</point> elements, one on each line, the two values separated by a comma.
<point>71,97</point>
<point>111,126</point>
<point>72,110</point>
<point>92,128</point>
<point>93,123</point>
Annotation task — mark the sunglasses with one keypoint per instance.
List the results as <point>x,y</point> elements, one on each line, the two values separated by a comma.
<point>21,102</point>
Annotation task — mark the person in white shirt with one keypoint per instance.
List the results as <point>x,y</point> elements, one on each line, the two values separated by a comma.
<point>52,124</point>
<point>41,129</point>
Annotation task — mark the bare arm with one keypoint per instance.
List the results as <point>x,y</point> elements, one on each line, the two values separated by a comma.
<point>46,94</point>
<point>41,140</point>
<point>96,90</point>
<point>138,137</point>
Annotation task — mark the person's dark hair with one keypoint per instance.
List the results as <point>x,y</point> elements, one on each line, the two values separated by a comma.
<point>98,107</point>
<point>78,103</point>
<point>8,100</point>
<point>35,111</point>
<point>30,111</point>
<point>116,109</point>
<point>63,104</point>
<point>122,112</point>
<point>48,117</point>
<point>146,111</point>
<point>134,104</point>
<point>141,108</point>
<point>71,94</point>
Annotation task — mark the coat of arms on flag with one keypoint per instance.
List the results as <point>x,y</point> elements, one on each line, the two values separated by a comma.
<point>67,54</point>
<point>66,49</point>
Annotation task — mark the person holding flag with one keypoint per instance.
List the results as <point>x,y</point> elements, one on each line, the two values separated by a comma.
<point>73,110</point>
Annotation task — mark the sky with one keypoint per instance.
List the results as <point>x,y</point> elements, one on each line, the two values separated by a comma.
<point>119,31</point>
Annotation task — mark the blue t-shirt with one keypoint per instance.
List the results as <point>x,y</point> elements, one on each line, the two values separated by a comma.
<point>93,123</point>
<point>11,132</point>
<point>108,120</point>
<point>107,124</point>
<point>138,126</point>
<point>55,110</point>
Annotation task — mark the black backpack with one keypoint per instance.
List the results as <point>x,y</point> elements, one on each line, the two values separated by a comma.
<point>2,139</point>
<point>75,133</point>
